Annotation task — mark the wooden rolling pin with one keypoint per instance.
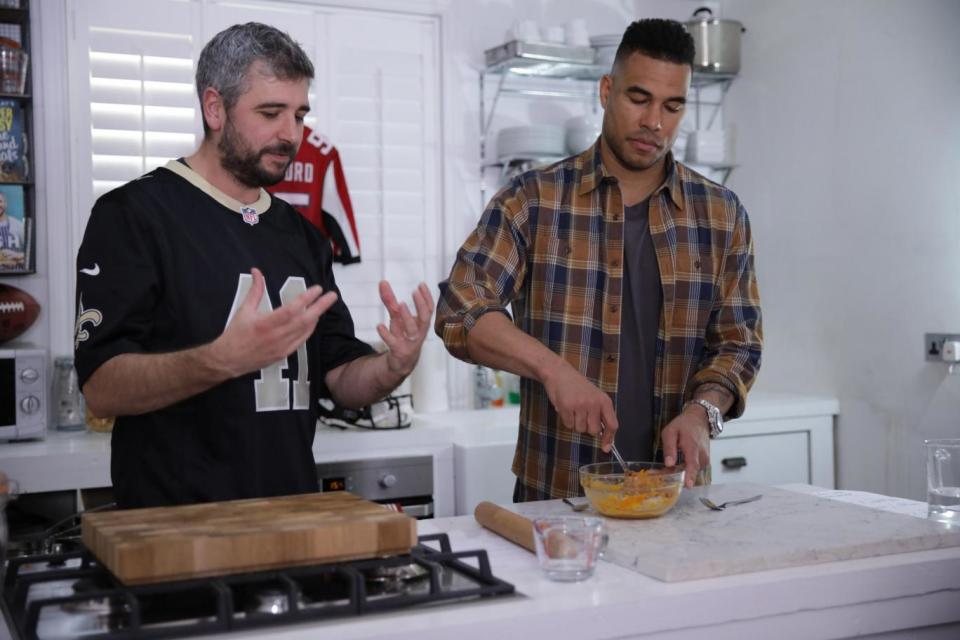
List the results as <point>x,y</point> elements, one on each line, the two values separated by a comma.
<point>508,524</point>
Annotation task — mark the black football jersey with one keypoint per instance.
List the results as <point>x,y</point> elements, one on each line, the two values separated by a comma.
<point>165,261</point>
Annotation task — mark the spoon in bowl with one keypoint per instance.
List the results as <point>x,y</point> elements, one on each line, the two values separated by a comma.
<point>616,454</point>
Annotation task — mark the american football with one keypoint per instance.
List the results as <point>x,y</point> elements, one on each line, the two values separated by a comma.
<point>18,310</point>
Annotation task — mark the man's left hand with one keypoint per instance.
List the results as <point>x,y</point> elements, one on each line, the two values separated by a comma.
<point>407,332</point>
<point>690,433</point>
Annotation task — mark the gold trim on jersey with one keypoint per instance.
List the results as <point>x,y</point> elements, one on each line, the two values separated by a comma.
<point>194,178</point>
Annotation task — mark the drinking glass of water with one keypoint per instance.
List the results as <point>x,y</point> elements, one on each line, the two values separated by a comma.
<point>943,480</point>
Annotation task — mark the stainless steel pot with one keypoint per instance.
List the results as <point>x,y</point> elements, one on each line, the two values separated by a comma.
<point>717,42</point>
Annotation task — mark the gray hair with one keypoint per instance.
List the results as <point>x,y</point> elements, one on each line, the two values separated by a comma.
<point>225,60</point>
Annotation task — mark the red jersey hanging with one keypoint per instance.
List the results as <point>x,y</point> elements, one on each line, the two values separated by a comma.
<point>316,187</point>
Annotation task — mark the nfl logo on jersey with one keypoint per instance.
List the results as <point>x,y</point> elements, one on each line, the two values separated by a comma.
<point>250,215</point>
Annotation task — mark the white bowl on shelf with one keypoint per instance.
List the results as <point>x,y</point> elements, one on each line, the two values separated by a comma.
<point>714,148</point>
<point>606,46</point>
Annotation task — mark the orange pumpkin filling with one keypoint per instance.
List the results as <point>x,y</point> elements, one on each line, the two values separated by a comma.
<point>637,494</point>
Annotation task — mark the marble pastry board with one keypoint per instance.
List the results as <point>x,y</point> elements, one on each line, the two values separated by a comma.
<point>783,529</point>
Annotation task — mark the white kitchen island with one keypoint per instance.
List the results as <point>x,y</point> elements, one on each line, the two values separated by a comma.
<point>904,595</point>
<point>907,595</point>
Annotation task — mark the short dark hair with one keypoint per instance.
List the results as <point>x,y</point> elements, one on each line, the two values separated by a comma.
<point>224,61</point>
<point>659,39</point>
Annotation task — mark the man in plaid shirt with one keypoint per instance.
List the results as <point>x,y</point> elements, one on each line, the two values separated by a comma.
<point>636,313</point>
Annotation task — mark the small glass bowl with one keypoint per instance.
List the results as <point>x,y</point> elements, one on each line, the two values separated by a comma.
<point>649,490</point>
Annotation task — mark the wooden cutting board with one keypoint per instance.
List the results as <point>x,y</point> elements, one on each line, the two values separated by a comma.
<point>176,543</point>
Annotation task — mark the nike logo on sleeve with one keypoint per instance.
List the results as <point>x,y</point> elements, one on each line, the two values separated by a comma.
<point>94,271</point>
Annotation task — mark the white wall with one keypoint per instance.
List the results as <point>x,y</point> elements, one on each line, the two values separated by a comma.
<point>849,144</point>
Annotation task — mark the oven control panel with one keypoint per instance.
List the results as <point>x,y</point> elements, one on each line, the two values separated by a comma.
<point>379,478</point>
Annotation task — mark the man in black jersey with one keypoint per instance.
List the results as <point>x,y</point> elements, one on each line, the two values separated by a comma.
<point>208,317</point>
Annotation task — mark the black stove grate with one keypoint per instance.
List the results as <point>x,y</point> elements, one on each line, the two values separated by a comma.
<point>71,595</point>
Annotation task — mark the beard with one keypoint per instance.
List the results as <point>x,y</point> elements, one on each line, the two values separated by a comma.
<point>244,163</point>
<point>619,149</point>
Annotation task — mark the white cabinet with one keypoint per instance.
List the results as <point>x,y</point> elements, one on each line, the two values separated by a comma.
<point>780,439</point>
<point>482,472</point>
<point>768,459</point>
<point>484,441</point>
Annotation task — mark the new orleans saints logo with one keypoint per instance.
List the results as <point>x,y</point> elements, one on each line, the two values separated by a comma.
<point>93,316</point>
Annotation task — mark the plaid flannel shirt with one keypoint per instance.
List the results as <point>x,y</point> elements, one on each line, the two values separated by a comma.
<point>550,244</point>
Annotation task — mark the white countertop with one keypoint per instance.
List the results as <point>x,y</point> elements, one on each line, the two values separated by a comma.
<point>81,460</point>
<point>889,595</point>
<point>830,600</point>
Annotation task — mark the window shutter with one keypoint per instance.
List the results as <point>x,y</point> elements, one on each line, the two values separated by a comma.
<point>385,123</point>
<point>135,87</point>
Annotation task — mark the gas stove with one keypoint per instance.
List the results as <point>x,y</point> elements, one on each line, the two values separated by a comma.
<point>70,595</point>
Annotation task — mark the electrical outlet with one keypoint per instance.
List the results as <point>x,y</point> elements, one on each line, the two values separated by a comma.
<point>933,344</point>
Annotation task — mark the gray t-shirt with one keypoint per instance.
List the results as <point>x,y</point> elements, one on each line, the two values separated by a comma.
<point>640,321</point>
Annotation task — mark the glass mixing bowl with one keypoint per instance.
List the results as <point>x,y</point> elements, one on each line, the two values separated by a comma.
<point>647,490</point>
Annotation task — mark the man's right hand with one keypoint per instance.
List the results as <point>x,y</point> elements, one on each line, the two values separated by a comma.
<point>582,406</point>
<point>253,340</point>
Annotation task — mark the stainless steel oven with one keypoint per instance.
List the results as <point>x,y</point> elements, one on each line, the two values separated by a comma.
<point>403,481</point>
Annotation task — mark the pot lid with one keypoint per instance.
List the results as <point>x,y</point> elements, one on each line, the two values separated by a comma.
<point>704,15</point>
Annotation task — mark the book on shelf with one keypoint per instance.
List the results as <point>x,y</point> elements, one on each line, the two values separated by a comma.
<point>16,231</point>
<point>13,143</point>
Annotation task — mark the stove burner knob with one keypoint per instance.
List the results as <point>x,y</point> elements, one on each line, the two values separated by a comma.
<point>387,480</point>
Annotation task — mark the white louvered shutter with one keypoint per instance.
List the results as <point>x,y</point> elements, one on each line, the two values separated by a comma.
<point>384,119</point>
<point>132,80</point>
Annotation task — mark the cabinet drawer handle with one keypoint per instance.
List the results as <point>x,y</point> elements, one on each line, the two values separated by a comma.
<point>734,463</point>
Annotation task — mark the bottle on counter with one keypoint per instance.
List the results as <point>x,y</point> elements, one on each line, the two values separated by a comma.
<point>70,414</point>
<point>499,390</point>
<point>481,387</point>
<point>489,388</point>
<point>512,387</point>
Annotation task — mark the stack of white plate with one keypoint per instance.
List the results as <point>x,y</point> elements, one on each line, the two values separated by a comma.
<point>606,46</point>
<point>532,141</point>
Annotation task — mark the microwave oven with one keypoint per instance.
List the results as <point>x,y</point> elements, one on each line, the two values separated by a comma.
<point>24,399</point>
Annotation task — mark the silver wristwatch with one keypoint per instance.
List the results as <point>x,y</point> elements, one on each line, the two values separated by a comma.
<point>714,416</point>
